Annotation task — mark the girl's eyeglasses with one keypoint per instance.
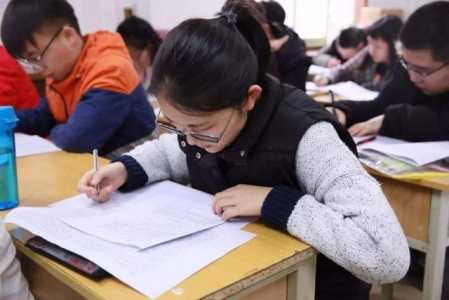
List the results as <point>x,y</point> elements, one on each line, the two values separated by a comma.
<point>162,122</point>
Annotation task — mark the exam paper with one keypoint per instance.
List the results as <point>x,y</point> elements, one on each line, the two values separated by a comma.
<point>151,271</point>
<point>147,217</point>
<point>27,145</point>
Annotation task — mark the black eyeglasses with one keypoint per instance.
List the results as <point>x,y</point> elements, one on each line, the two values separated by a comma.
<point>165,124</point>
<point>36,62</point>
<point>420,74</point>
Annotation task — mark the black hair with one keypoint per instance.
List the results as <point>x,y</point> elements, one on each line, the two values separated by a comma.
<point>351,37</point>
<point>275,15</point>
<point>22,18</point>
<point>209,64</point>
<point>256,9</point>
<point>274,11</point>
<point>139,34</point>
<point>387,28</point>
<point>428,28</point>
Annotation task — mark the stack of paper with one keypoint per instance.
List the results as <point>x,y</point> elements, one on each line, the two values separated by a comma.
<point>348,90</point>
<point>418,154</point>
<point>403,159</point>
<point>155,258</point>
<point>32,144</point>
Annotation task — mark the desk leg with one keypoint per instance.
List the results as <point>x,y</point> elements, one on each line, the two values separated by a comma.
<point>438,237</point>
<point>301,284</point>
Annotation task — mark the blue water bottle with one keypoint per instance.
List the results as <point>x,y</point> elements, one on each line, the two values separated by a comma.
<point>9,197</point>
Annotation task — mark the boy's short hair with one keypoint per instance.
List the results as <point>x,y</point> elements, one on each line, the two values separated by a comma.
<point>351,37</point>
<point>139,34</point>
<point>22,18</point>
<point>428,28</point>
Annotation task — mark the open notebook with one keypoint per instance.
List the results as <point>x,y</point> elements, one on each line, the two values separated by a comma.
<point>400,159</point>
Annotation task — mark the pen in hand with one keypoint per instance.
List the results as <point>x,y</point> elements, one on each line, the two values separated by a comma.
<point>95,157</point>
<point>365,140</point>
<point>334,112</point>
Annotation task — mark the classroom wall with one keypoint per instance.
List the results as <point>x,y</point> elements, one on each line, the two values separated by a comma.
<point>408,5</point>
<point>166,14</point>
<point>161,14</point>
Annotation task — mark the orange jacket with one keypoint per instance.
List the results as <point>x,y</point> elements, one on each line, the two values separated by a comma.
<point>104,63</point>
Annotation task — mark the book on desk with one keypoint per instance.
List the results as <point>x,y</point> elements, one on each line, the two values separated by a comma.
<point>399,159</point>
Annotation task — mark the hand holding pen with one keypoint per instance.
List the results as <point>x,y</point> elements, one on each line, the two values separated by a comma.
<point>100,183</point>
<point>95,157</point>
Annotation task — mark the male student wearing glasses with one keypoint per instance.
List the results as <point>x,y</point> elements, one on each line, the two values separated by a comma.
<point>94,99</point>
<point>414,106</point>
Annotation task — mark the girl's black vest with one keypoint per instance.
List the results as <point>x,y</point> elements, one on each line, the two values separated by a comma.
<point>264,154</point>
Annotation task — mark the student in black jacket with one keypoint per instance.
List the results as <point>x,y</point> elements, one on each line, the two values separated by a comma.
<point>349,42</point>
<point>287,47</point>
<point>414,106</point>
<point>371,67</point>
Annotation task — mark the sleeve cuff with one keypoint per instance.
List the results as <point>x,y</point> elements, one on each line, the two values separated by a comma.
<point>279,205</point>
<point>392,123</point>
<point>136,174</point>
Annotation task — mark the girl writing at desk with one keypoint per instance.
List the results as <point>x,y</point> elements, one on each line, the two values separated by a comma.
<point>263,149</point>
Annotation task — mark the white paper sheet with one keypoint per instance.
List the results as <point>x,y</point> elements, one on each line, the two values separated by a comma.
<point>32,144</point>
<point>319,70</point>
<point>348,90</point>
<point>152,271</point>
<point>146,217</point>
<point>418,154</point>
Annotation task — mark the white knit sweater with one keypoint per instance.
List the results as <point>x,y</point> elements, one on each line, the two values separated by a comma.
<point>13,285</point>
<point>344,214</point>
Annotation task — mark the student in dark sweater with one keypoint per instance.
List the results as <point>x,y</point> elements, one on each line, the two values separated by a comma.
<point>348,43</point>
<point>142,42</point>
<point>371,67</point>
<point>414,106</point>
<point>288,48</point>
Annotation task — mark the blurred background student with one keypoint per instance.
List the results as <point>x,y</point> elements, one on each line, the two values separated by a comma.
<point>371,67</point>
<point>142,42</point>
<point>288,48</point>
<point>348,43</point>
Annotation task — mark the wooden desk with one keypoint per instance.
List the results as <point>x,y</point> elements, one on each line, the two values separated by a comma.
<point>271,266</point>
<point>422,207</point>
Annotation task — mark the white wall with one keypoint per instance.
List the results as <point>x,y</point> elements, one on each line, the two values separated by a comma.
<point>166,14</point>
<point>162,14</point>
<point>408,5</point>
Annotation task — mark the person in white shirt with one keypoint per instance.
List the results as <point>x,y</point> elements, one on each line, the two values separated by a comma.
<point>13,285</point>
